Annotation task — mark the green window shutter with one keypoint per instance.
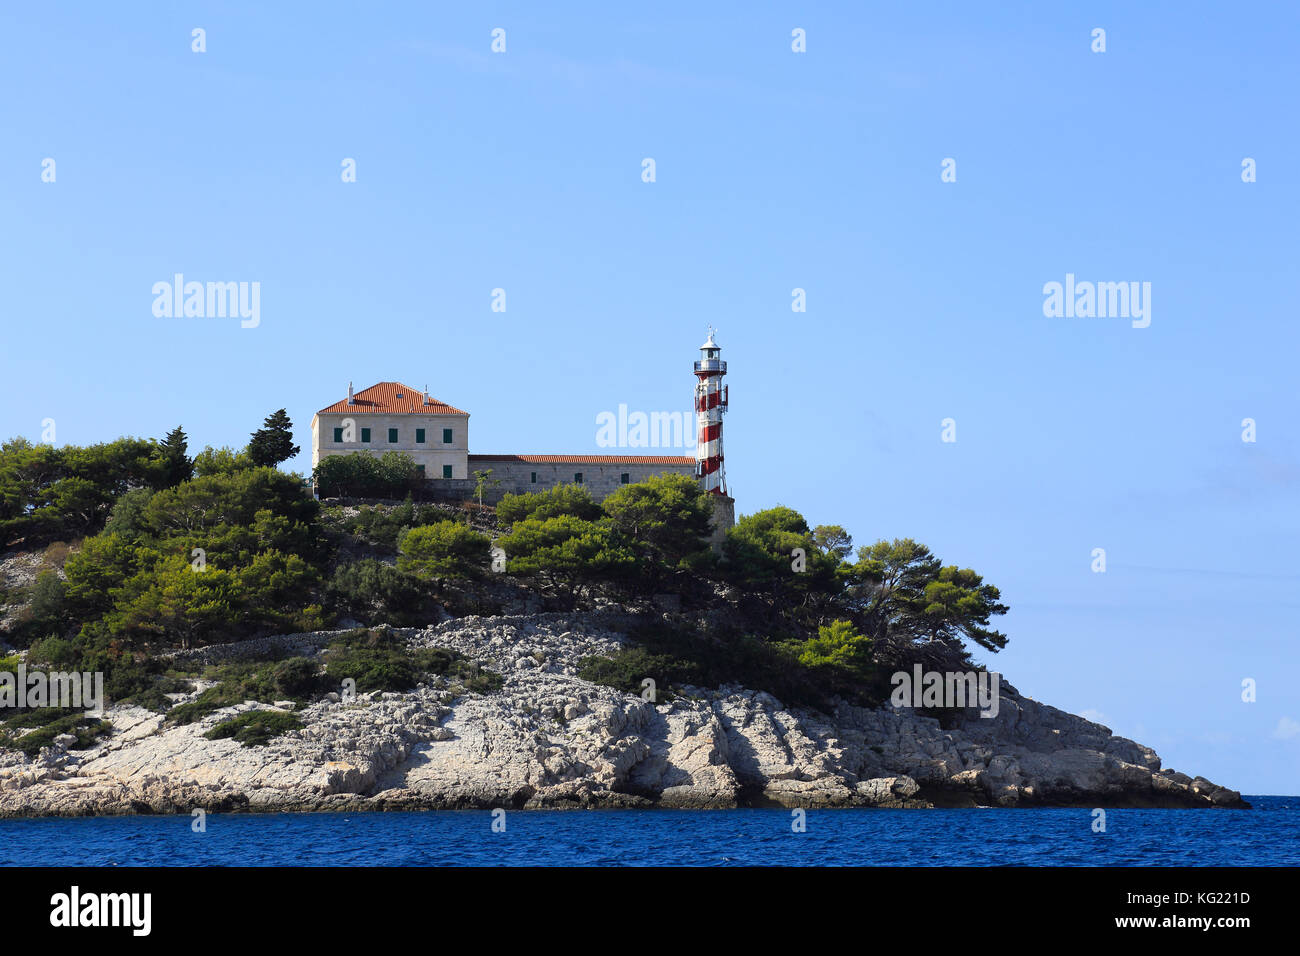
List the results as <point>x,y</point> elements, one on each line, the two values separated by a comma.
<point>392,436</point>
<point>625,478</point>
<point>534,477</point>
<point>446,436</point>
<point>419,436</point>
<point>338,436</point>
<point>365,435</point>
<point>419,470</point>
<point>446,471</point>
<point>577,477</point>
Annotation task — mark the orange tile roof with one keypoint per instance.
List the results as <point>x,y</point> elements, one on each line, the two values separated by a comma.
<point>381,399</point>
<point>590,459</point>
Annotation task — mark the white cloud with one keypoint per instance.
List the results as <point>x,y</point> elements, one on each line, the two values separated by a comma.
<point>1286,729</point>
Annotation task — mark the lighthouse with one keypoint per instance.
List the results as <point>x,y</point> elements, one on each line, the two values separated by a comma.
<point>710,405</point>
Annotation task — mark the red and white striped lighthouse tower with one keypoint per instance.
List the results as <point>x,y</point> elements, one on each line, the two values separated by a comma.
<point>710,404</point>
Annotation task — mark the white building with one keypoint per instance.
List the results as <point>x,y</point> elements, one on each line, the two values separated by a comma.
<point>391,416</point>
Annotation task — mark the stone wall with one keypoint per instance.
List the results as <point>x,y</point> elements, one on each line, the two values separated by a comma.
<point>258,648</point>
<point>724,517</point>
<point>455,491</point>
<point>600,478</point>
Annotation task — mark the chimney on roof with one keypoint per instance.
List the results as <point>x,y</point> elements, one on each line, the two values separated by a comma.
<point>426,395</point>
<point>351,400</point>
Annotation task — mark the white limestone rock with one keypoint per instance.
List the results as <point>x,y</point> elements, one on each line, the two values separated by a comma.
<point>550,739</point>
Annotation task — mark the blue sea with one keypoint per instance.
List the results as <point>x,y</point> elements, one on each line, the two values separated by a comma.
<point>1268,835</point>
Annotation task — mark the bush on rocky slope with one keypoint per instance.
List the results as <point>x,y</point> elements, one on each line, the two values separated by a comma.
<point>378,660</point>
<point>254,728</point>
<point>295,678</point>
<point>46,724</point>
<point>373,592</point>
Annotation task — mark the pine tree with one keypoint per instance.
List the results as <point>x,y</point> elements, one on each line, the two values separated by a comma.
<point>273,442</point>
<point>177,466</point>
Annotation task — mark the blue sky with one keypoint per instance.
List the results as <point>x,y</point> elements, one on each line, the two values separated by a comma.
<point>774,171</point>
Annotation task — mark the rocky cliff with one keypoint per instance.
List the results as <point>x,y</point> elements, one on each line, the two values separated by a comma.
<point>550,739</point>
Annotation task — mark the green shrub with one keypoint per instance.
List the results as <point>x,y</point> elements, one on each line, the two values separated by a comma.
<point>630,666</point>
<point>475,679</point>
<point>47,612</point>
<point>392,475</point>
<point>50,723</point>
<point>221,461</point>
<point>141,682</point>
<point>151,698</point>
<point>47,596</point>
<point>572,499</point>
<point>230,499</point>
<point>254,728</point>
<point>565,551</point>
<point>36,717</point>
<point>127,517</point>
<point>758,549</point>
<point>666,517</point>
<point>295,678</point>
<point>48,492</point>
<point>56,651</point>
<point>840,662</point>
<point>838,645</point>
<point>712,657</point>
<point>447,549</point>
<point>382,524</point>
<point>127,679</point>
<point>370,591</point>
<point>373,669</point>
<point>378,660</point>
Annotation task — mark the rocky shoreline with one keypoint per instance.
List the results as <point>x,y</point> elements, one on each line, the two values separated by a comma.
<point>550,740</point>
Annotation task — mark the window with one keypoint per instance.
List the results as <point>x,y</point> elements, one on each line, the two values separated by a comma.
<point>419,470</point>
<point>338,436</point>
<point>577,477</point>
<point>419,436</point>
<point>365,435</point>
<point>625,478</point>
<point>392,436</point>
<point>446,436</point>
<point>446,471</point>
<point>534,477</point>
